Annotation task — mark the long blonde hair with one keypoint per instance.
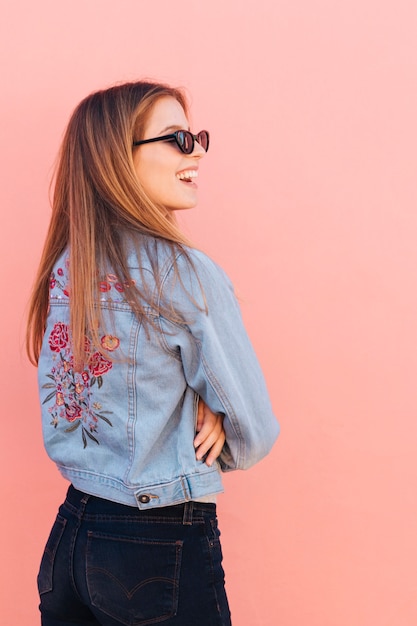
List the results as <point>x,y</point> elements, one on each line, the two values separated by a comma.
<point>97,197</point>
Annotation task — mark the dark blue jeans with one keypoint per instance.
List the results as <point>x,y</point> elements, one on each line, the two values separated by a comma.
<point>109,564</point>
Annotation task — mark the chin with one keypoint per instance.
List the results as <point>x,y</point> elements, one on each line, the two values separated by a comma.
<point>182,208</point>
<point>183,205</point>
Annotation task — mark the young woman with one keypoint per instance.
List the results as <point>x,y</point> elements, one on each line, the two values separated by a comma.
<point>149,385</point>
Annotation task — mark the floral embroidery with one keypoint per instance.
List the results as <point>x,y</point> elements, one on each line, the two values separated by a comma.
<point>110,343</point>
<point>104,286</point>
<point>58,339</point>
<point>111,281</point>
<point>111,287</point>
<point>57,277</point>
<point>72,391</point>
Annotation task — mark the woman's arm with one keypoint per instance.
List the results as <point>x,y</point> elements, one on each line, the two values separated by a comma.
<point>218,360</point>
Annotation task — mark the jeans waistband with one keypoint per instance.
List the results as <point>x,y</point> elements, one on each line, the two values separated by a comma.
<point>89,506</point>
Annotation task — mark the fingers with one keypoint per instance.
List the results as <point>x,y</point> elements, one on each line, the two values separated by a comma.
<point>211,426</point>
<point>211,437</point>
<point>216,449</point>
<point>200,415</point>
<point>208,443</point>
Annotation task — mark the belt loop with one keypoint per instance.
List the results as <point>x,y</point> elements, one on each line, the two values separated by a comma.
<point>83,503</point>
<point>188,513</point>
<point>77,500</point>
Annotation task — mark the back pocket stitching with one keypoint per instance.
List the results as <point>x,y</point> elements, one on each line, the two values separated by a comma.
<point>130,619</point>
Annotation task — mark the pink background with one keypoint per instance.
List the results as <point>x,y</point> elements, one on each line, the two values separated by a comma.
<point>308,199</point>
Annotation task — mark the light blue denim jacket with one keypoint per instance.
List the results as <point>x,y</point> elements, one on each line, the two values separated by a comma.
<point>123,428</point>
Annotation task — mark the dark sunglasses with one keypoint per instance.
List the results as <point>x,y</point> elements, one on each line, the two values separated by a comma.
<point>184,140</point>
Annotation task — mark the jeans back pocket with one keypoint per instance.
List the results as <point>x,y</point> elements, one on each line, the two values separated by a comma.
<point>46,570</point>
<point>132,579</point>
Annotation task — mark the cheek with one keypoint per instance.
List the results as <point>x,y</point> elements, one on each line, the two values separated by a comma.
<point>149,170</point>
<point>142,171</point>
<point>157,182</point>
<point>156,174</point>
<point>145,174</point>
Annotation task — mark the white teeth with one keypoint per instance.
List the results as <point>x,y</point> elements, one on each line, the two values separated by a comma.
<point>187,174</point>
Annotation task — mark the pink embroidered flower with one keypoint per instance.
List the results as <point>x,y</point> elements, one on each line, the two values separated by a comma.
<point>104,286</point>
<point>59,399</point>
<point>58,339</point>
<point>52,282</point>
<point>85,376</point>
<point>119,287</point>
<point>73,412</point>
<point>66,292</point>
<point>110,343</point>
<point>112,278</point>
<point>60,271</point>
<point>99,365</point>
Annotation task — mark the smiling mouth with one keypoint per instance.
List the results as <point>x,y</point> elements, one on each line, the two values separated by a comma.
<point>187,176</point>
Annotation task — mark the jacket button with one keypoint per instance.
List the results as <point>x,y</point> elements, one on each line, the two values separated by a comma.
<point>144,499</point>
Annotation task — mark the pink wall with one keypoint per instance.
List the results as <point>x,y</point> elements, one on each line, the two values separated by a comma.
<point>308,199</point>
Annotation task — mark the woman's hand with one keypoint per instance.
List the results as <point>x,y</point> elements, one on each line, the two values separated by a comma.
<point>210,436</point>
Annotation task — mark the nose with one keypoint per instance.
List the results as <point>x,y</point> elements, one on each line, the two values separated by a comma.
<point>198,151</point>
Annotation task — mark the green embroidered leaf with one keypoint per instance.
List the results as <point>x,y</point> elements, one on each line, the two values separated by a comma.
<point>50,376</point>
<point>71,429</point>
<point>49,386</point>
<point>49,397</point>
<point>104,418</point>
<point>84,438</point>
<point>92,381</point>
<point>99,381</point>
<point>87,432</point>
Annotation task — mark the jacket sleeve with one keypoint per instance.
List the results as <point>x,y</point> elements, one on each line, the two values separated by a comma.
<point>218,359</point>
